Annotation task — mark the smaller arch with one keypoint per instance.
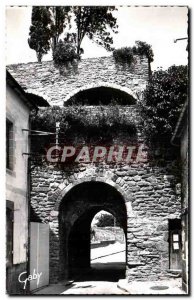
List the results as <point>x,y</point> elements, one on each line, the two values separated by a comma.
<point>39,98</point>
<point>106,230</point>
<point>126,91</point>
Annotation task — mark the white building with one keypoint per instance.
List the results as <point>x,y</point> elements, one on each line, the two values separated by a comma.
<point>18,107</point>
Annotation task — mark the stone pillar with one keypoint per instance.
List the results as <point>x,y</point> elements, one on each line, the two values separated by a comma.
<point>54,249</point>
<point>147,248</point>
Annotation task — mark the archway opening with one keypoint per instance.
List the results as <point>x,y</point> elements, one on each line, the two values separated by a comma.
<point>107,247</point>
<point>77,210</point>
<point>101,95</point>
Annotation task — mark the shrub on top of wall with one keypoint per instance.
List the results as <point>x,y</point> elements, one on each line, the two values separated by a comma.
<point>124,55</point>
<point>64,52</point>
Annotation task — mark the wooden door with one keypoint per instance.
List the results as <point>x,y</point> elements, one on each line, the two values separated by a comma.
<point>39,255</point>
<point>175,245</point>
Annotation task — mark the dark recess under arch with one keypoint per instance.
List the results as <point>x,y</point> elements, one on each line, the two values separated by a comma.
<point>101,96</point>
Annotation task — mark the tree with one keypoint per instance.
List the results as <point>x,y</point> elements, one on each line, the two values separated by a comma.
<point>105,220</point>
<point>39,31</point>
<point>142,48</point>
<point>48,23</point>
<point>60,18</point>
<point>163,100</point>
<point>95,22</point>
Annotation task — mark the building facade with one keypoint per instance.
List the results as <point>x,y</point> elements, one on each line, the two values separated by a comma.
<point>181,139</point>
<point>18,108</point>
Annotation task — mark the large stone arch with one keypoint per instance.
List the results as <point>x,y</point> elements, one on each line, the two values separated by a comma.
<point>101,84</point>
<point>63,189</point>
<point>79,204</point>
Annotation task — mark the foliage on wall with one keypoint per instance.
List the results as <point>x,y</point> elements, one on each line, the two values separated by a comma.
<point>123,55</point>
<point>163,100</point>
<point>126,55</point>
<point>81,124</point>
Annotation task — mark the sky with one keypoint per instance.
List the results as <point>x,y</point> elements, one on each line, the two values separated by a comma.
<point>158,26</point>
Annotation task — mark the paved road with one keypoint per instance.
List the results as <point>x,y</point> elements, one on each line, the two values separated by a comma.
<point>101,280</point>
<point>109,254</point>
<point>94,288</point>
<point>108,267</point>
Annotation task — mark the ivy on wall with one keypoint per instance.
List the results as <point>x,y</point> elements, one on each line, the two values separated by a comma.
<point>82,124</point>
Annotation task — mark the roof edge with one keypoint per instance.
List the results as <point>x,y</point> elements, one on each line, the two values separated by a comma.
<point>10,80</point>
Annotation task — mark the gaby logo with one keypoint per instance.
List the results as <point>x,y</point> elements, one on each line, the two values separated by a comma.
<point>88,154</point>
<point>23,279</point>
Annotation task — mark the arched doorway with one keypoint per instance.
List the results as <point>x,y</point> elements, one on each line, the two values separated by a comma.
<point>76,212</point>
<point>107,248</point>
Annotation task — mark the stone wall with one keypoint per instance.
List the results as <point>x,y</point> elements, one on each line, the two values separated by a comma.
<point>149,192</point>
<point>151,196</point>
<point>58,85</point>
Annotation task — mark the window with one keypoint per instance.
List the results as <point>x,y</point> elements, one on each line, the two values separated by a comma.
<point>9,145</point>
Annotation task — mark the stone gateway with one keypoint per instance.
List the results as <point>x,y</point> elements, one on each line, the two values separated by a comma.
<point>142,195</point>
